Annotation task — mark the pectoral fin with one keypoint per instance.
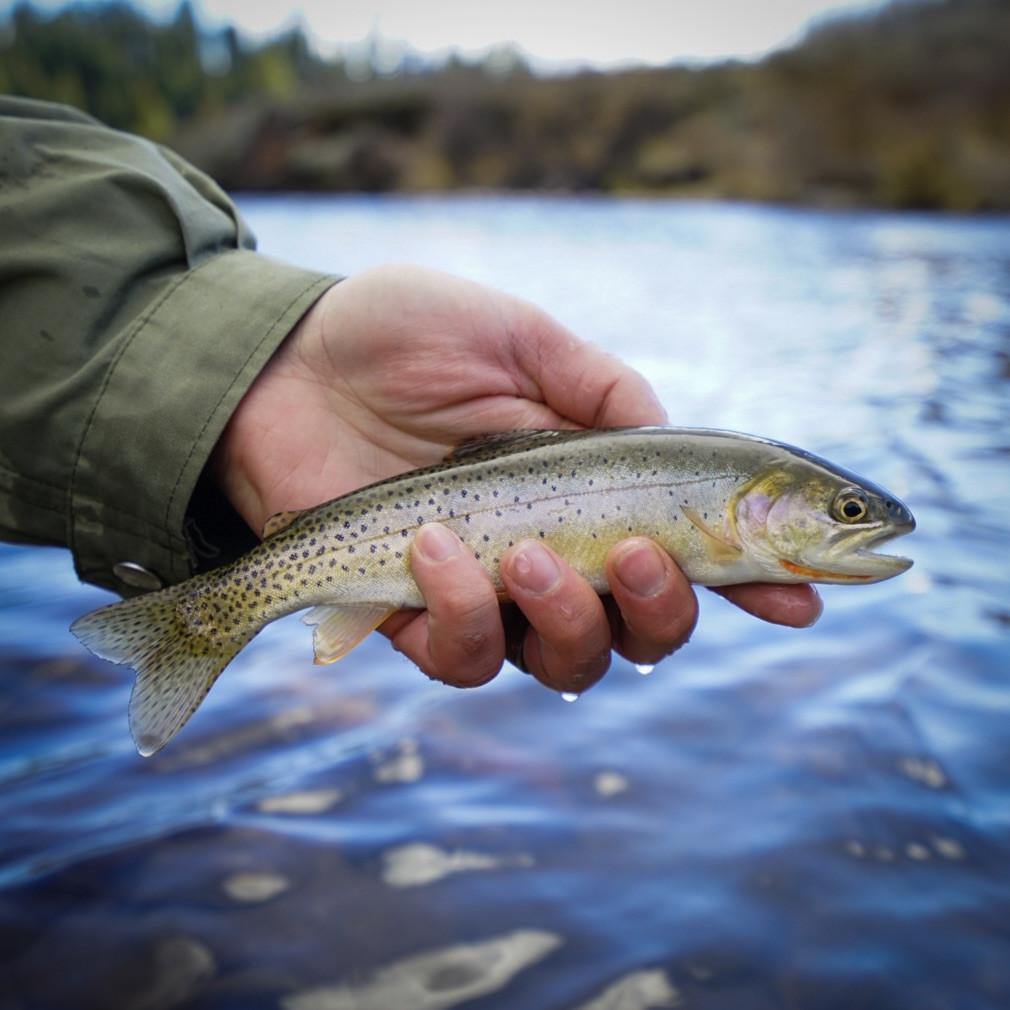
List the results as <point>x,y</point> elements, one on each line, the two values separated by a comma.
<point>720,547</point>
<point>340,629</point>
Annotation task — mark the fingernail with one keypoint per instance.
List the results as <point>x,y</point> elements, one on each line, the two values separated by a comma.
<point>641,570</point>
<point>534,568</point>
<point>436,543</point>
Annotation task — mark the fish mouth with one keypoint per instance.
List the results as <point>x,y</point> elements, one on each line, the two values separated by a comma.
<point>852,558</point>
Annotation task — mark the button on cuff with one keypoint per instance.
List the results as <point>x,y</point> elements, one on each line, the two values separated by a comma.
<point>132,574</point>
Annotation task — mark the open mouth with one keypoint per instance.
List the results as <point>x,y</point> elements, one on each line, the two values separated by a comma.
<point>882,536</point>
<point>849,563</point>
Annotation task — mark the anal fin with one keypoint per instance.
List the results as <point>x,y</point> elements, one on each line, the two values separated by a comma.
<point>720,548</point>
<point>340,629</point>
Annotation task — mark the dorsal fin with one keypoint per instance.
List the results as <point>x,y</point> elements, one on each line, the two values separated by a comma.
<point>280,521</point>
<point>505,442</point>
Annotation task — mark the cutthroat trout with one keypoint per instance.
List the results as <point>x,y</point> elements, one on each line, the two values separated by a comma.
<point>729,508</point>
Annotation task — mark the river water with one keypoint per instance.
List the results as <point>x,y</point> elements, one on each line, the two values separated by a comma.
<point>772,818</point>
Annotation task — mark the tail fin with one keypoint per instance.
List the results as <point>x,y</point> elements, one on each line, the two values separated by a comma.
<point>175,668</point>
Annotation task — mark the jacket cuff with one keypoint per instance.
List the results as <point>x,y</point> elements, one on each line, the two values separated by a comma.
<point>179,374</point>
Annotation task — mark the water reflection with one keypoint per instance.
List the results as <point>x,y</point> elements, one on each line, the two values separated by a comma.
<point>437,980</point>
<point>771,819</point>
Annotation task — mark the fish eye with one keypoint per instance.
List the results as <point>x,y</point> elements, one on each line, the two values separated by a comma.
<point>850,505</point>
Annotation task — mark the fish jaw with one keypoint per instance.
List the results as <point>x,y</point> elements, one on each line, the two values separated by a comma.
<point>851,560</point>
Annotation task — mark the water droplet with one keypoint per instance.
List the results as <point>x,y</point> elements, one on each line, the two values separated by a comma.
<point>569,696</point>
<point>645,668</point>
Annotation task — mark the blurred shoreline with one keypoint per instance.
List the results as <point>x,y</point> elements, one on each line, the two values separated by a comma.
<point>905,108</point>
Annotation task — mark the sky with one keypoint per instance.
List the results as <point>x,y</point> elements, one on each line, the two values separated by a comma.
<point>554,33</point>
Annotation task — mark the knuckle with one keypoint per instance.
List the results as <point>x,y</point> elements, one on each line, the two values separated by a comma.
<point>579,619</point>
<point>467,652</point>
<point>473,643</point>
<point>466,607</point>
<point>575,670</point>
<point>593,666</point>
<point>670,628</point>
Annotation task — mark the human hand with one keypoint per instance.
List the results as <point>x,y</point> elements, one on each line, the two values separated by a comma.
<point>385,373</point>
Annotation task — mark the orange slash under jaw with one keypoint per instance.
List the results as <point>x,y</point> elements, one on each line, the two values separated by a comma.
<point>814,573</point>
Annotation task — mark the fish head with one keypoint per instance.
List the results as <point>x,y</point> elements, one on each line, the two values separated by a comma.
<point>810,522</point>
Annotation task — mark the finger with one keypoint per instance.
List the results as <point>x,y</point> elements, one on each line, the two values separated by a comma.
<point>577,379</point>
<point>459,638</point>
<point>657,604</point>
<point>568,645</point>
<point>794,606</point>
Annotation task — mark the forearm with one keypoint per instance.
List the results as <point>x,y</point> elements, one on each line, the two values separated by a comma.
<point>135,316</point>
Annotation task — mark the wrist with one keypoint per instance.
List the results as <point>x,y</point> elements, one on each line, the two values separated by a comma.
<point>248,455</point>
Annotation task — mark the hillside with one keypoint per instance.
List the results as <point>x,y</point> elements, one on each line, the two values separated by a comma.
<point>906,108</point>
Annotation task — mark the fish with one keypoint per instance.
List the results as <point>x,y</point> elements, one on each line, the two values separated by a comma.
<point>728,507</point>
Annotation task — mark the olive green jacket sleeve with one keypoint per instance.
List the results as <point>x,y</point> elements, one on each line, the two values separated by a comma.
<point>134,314</point>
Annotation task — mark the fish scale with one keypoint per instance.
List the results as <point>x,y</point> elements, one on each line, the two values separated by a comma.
<point>729,508</point>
